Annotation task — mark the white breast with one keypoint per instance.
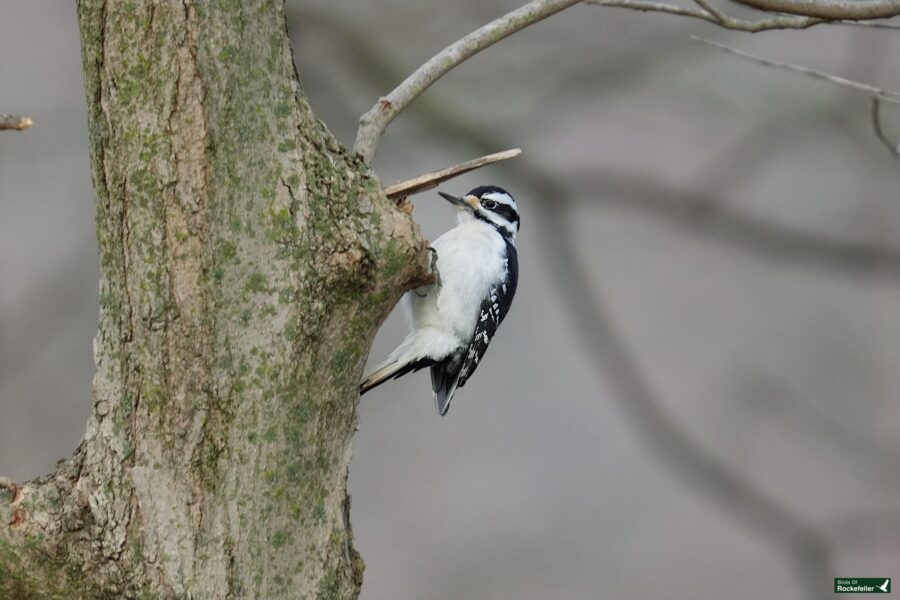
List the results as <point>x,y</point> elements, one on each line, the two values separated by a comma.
<point>471,259</point>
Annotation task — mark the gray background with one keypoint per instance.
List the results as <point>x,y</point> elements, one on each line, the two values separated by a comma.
<point>778,358</point>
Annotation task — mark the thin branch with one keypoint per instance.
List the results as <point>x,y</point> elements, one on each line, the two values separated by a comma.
<point>15,122</point>
<point>893,147</point>
<point>717,14</point>
<point>887,96</point>
<point>708,13</point>
<point>642,6</point>
<point>373,124</point>
<point>775,22</point>
<point>871,25</point>
<point>431,180</point>
<point>833,10</point>
<point>878,95</point>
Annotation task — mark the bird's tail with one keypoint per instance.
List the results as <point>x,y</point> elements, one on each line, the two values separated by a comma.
<point>379,376</point>
<point>411,355</point>
<point>444,381</point>
<point>390,370</point>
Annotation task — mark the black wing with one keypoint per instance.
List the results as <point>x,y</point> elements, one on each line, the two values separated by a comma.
<point>493,310</point>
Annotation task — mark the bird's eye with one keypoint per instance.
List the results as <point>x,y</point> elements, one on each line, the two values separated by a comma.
<point>489,204</point>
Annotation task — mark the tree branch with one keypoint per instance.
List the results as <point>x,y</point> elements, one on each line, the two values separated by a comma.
<point>887,96</point>
<point>893,147</point>
<point>373,124</point>
<point>642,6</point>
<point>431,180</point>
<point>834,10</point>
<point>15,122</point>
<point>877,95</point>
<point>708,13</point>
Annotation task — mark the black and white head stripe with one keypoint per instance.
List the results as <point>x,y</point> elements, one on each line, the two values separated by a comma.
<point>498,207</point>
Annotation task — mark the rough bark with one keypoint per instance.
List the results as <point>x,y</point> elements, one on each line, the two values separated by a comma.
<point>246,263</point>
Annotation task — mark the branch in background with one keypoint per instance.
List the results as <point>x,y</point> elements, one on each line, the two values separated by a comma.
<point>708,13</point>
<point>887,96</point>
<point>893,147</point>
<point>373,124</point>
<point>15,122</point>
<point>833,10</point>
<point>419,184</point>
<point>877,95</point>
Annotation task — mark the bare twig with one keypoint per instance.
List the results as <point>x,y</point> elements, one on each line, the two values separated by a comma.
<point>869,24</point>
<point>877,95</point>
<point>643,6</point>
<point>373,124</point>
<point>887,96</point>
<point>893,147</point>
<point>15,122</point>
<point>830,9</point>
<point>708,13</point>
<point>433,179</point>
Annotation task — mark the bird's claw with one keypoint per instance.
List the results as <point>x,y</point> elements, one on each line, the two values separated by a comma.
<point>433,267</point>
<point>422,291</point>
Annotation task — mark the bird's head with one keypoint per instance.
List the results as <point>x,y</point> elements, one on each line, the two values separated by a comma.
<point>490,204</point>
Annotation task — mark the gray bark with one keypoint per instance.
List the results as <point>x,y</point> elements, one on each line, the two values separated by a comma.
<point>246,262</point>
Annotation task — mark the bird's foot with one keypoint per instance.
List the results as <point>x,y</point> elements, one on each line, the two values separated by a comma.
<point>433,272</point>
<point>433,267</point>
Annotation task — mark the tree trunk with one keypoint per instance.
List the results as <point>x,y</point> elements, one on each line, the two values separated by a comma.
<point>246,263</point>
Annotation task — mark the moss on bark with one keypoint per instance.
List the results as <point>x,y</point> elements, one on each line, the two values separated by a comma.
<point>246,262</point>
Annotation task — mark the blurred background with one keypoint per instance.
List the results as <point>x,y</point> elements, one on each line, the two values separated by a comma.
<point>695,394</point>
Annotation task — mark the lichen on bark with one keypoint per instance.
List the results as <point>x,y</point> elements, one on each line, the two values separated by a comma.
<point>247,260</point>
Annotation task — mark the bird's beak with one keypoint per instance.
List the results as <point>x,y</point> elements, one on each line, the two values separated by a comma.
<point>470,202</point>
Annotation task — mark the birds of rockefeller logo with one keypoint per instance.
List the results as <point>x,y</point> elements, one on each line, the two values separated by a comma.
<point>862,585</point>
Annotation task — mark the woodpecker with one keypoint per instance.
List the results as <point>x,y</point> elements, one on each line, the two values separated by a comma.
<point>453,320</point>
